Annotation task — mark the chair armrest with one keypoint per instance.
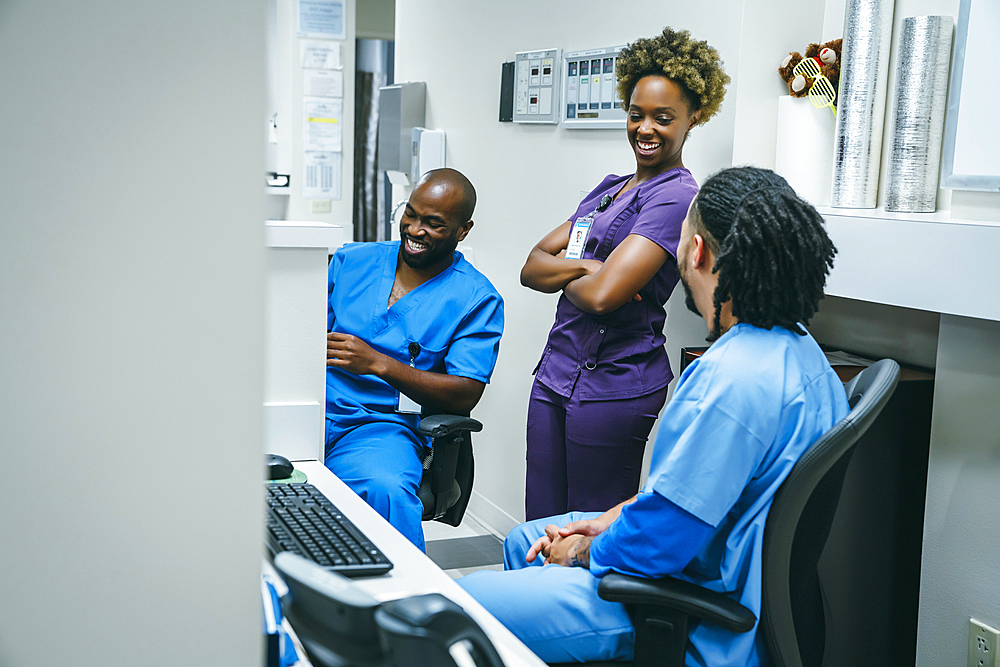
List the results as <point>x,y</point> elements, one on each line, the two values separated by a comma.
<point>682,596</point>
<point>438,426</point>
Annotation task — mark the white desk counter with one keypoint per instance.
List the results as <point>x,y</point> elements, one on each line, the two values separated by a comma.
<point>413,572</point>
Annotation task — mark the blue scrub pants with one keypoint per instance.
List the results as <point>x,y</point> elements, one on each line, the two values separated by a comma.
<point>380,461</point>
<point>554,610</point>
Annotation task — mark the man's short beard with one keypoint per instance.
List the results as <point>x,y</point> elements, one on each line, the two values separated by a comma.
<point>435,255</point>
<point>693,307</point>
<point>689,299</point>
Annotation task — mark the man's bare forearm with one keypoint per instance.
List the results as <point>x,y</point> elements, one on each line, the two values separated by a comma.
<point>435,391</point>
<point>612,514</point>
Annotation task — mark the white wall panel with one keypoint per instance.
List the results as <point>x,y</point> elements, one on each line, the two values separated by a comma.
<point>960,569</point>
<point>131,293</point>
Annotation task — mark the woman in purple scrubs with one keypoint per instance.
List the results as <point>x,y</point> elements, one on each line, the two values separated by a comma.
<point>603,375</point>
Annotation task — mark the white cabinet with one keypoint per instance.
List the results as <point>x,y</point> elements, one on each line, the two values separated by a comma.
<point>295,336</point>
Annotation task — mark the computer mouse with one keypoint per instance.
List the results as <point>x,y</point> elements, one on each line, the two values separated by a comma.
<point>277,467</point>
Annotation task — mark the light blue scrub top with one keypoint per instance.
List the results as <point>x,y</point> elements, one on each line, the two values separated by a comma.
<point>740,418</point>
<point>456,317</point>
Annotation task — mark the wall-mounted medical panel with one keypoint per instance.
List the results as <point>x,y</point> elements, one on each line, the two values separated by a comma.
<point>536,86</point>
<point>590,90</point>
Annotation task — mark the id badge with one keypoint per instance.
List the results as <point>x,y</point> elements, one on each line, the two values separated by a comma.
<point>578,237</point>
<point>406,405</point>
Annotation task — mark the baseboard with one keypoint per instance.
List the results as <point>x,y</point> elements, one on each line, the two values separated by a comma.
<point>490,516</point>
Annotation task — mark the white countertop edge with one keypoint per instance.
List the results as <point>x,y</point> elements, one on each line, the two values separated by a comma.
<point>309,234</point>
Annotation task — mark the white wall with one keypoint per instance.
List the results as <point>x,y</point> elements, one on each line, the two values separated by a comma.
<point>131,275</point>
<point>770,30</point>
<point>960,570</point>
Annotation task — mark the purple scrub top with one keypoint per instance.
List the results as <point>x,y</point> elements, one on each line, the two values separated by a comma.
<point>621,354</point>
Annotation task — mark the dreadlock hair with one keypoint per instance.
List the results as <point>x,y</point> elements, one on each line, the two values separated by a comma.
<point>771,250</point>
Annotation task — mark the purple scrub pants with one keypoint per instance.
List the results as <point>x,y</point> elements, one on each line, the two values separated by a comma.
<point>585,456</point>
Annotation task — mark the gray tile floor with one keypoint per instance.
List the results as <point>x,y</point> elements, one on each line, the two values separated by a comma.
<point>460,572</point>
<point>464,549</point>
<point>465,552</point>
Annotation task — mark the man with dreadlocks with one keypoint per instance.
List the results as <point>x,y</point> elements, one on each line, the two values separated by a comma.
<point>753,260</point>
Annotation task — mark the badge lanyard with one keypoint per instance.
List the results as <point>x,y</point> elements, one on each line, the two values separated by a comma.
<point>406,405</point>
<point>581,230</point>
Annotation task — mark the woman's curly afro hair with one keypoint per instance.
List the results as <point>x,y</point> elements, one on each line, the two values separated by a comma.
<point>693,65</point>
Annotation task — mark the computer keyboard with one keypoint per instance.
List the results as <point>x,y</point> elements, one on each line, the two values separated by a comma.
<point>302,520</point>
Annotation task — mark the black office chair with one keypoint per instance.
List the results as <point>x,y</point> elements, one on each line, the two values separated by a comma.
<point>446,486</point>
<point>796,531</point>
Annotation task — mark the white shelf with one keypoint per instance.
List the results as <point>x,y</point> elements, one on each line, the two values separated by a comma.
<point>292,234</point>
<point>938,217</point>
<point>923,261</point>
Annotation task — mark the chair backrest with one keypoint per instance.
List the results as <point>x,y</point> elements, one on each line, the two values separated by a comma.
<point>799,520</point>
<point>445,490</point>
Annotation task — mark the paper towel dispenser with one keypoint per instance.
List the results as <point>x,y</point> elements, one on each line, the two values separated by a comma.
<point>428,152</point>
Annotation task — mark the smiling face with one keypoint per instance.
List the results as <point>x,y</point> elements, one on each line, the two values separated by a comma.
<point>430,229</point>
<point>659,119</point>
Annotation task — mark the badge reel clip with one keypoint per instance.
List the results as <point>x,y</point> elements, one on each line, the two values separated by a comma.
<point>581,230</point>
<point>406,405</point>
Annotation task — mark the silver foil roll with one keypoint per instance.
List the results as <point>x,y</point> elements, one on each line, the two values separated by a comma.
<point>918,111</point>
<point>861,104</point>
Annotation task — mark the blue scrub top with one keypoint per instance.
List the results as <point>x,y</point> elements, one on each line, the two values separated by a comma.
<point>456,317</point>
<point>741,416</point>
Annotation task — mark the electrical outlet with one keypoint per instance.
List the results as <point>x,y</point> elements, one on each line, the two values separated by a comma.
<point>984,645</point>
<point>320,206</point>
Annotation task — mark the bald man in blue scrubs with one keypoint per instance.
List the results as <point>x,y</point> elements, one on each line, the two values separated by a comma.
<point>412,325</point>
